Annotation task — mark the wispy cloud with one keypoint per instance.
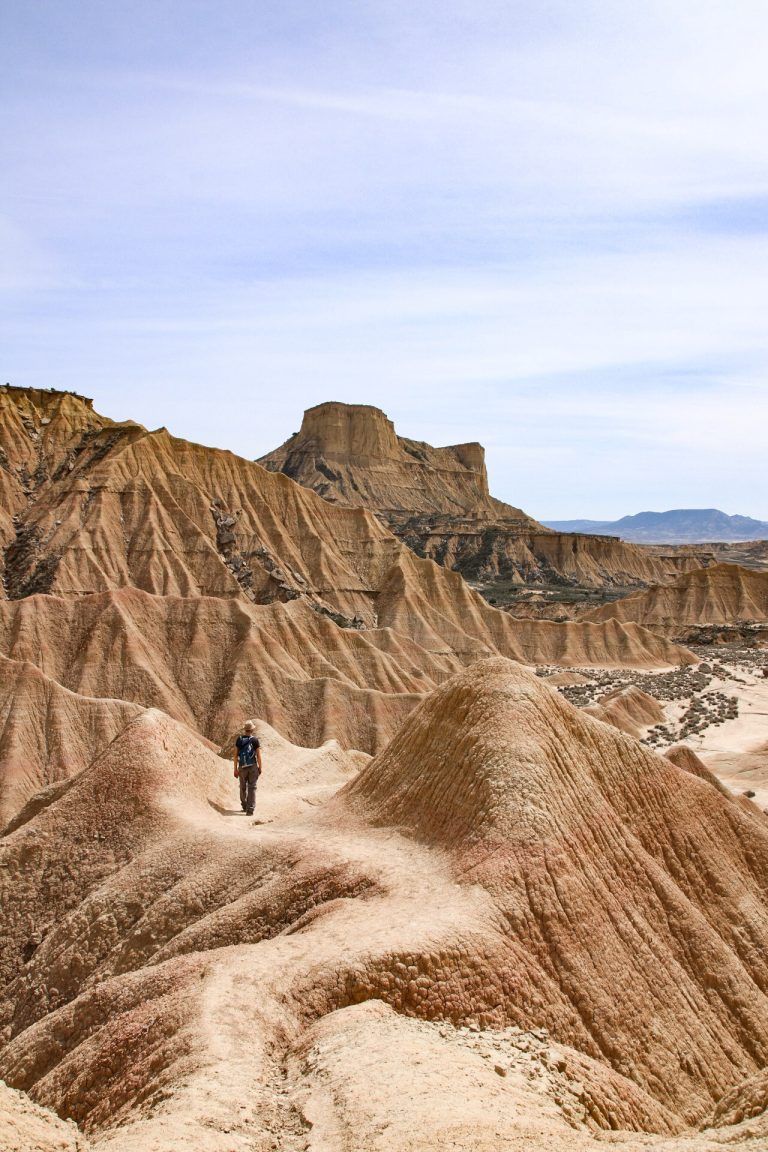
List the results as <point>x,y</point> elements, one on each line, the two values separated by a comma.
<point>539,226</point>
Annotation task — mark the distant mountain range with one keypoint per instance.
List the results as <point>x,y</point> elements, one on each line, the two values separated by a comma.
<point>678,526</point>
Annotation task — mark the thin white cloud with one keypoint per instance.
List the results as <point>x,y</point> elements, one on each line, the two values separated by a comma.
<point>534,225</point>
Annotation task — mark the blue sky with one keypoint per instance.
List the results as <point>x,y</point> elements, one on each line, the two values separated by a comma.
<point>541,226</point>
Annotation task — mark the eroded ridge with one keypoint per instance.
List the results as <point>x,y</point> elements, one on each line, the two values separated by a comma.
<point>514,914</point>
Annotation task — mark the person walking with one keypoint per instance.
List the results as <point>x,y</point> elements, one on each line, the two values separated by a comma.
<point>247,766</point>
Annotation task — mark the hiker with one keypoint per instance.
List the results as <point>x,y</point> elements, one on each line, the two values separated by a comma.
<point>247,766</point>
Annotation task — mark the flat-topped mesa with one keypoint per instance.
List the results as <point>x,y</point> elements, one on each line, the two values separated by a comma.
<point>350,454</point>
<point>41,397</point>
<point>437,500</point>
<point>346,431</point>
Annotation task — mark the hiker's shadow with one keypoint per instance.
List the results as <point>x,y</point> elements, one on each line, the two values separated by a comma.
<point>226,811</point>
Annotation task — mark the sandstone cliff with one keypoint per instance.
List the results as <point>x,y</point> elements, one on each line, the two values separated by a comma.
<point>350,454</point>
<point>437,501</point>
<point>724,594</point>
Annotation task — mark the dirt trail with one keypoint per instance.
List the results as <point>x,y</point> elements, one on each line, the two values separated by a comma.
<point>349,973</point>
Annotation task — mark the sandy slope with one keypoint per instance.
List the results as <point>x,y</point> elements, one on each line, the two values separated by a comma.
<point>48,734</point>
<point>25,1127</point>
<point>211,661</point>
<point>506,861</point>
<point>723,594</point>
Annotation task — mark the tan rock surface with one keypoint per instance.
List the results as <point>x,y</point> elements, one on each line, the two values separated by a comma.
<point>25,1127</point>
<point>724,594</point>
<point>211,661</point>
<point>437,501</point>
<point>48,734</point>
<point>350,454</point>
<point>629,709</point>
<point>506,863</point>
<point>145,510</point>
<point>513,912</point>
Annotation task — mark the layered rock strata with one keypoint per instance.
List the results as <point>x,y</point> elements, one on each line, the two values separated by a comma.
<point>513,911</point>
<point>437,501</point>
<point>724,596</point>
<point>141,567</point>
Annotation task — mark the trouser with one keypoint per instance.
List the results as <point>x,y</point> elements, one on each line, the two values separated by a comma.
<point>248,778</point>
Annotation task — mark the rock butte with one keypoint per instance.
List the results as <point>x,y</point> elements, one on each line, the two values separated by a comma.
<point>629,709</point>
<point>437,501</point>
<point>514,927</point>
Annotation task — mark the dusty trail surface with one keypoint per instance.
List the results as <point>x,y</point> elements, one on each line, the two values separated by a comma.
<point>404,953</point>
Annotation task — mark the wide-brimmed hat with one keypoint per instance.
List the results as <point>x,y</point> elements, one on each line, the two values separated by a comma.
<point>249,726</point>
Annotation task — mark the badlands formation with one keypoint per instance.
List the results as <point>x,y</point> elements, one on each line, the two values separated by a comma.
<point>724,596</point>
<point>497,893</point>
<point>141,568</point>
<point>437,501</point>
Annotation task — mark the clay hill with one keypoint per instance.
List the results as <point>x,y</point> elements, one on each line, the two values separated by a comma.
<point>48,734</point>
<point>723,596</point>
<point>629,709</point>
<point>437,501</point>
<point>549,939</point>
<point>141,568</point>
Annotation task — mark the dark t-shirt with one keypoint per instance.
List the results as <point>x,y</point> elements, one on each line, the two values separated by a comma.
<point>246,750</point>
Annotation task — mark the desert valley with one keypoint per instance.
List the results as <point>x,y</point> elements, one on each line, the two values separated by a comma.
<point>506,884</point>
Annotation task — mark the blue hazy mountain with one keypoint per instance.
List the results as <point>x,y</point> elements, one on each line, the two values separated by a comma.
<point>678,526</point>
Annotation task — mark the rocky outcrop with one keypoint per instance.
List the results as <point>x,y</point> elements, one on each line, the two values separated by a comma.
<point>489,551</point>
<point>150,569</point>
<point>723,596</point>
<point>438,502</point>
<point>350,454</point>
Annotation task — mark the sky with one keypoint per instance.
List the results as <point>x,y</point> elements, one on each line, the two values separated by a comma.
<point>543,226</point>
